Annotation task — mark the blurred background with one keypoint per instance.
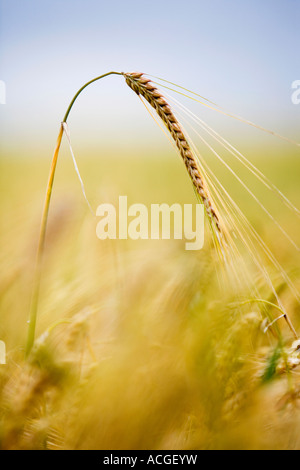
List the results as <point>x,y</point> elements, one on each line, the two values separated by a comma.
<point>241,55</point>
<point>139,345</point>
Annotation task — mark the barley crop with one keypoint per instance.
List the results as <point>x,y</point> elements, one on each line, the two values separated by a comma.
<point>143,86</point>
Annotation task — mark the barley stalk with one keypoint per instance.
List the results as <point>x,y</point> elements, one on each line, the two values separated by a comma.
<point>145,87</point>
<point>40,251</point>
<point>37,275</point>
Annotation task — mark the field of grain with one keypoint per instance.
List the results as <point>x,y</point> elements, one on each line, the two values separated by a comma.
<point>138,346</point>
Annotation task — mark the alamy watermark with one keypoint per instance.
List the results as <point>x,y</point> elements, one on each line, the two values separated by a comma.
<point>296,94</point>
<point>2,353</point>
<point>151,459</point>
<point>160,222</point>
<point>2,92</point>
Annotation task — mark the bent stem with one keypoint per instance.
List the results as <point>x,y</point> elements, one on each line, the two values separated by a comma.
<point>82,88</point>
<point>41,244</point>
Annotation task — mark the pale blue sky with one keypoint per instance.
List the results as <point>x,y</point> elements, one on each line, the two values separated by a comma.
<point>243,54</point>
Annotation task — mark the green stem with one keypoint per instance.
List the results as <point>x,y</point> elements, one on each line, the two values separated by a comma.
<point>82,88</point>
<point>40,250</point>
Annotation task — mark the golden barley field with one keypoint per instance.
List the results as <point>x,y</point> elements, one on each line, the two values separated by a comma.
<point>138,344</point>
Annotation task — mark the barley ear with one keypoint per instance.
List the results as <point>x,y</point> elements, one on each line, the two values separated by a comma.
<point>144,87</point>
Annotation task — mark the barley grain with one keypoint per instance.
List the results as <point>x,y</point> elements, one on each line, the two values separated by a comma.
<point>145,87</point>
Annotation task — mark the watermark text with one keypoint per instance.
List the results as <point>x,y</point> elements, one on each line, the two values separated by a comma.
<point>2,92</point>
<point>160,222</point>
<point>2,353</point>
<point>296,94</point>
